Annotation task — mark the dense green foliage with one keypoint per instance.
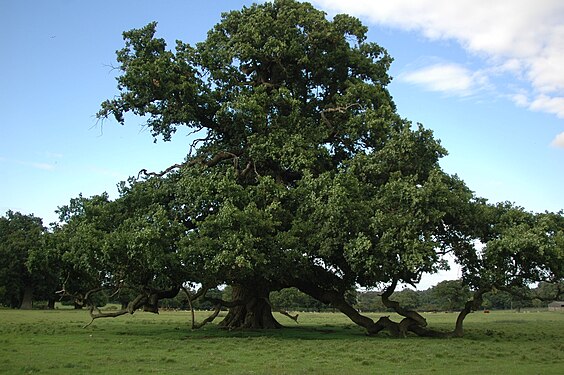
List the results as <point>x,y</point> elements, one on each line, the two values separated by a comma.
<point>24,271</point>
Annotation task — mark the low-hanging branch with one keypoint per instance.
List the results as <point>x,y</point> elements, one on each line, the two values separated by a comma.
<point>192,297</point>
<point>469,306</point>
<point>96,313</point>
<point>148,300</point>
<point>209,319</point>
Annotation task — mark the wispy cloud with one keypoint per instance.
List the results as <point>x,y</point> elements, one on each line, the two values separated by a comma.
<point>52,155</point>
<point>448,78</point>
<point>43,166</point>
<point>36,165</point>
<point>542,103</point>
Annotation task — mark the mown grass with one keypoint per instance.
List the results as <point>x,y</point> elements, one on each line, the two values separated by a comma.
<point>55,342</point>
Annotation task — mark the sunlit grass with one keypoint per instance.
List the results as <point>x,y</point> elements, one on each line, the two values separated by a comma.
<point>54,342</point>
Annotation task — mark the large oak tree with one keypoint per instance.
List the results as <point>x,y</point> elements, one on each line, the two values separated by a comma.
<point>302,175</point>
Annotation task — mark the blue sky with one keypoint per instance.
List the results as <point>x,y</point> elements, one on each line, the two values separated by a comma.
<point>487,79</point>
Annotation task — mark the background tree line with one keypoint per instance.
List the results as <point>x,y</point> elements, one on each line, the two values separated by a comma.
<point>29,276</point>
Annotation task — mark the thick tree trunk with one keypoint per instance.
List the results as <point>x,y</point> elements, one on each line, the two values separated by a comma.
<point>254,311</point>
<point>27,299</point>
<point>51,304</point>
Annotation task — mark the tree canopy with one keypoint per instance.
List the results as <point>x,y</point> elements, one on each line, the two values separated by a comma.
<point>24,271</point>
<point>302,174</point>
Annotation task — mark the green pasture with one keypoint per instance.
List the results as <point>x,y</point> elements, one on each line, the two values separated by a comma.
<point>55,342</point>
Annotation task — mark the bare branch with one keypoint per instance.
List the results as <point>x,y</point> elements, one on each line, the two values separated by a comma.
<point>96,313</point>
<point>209,319</point>
<point>202,292</point>
<point>336,109</point>
<point>219,157</point>
<point>283,312</point>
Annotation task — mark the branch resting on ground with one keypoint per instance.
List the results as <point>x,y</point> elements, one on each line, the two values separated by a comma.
<point>148,300</point>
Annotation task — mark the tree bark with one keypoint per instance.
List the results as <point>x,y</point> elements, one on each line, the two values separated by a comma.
<point>254,311</point>
<point>470,306</point>
<point>27,299</point>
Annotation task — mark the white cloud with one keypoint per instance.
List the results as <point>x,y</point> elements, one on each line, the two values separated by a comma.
<point>520,99</point>
<point>550,104</point>
<point>445,77</point>
<point>558,141</point>
<point>541,102</point>
<point>522,37</point>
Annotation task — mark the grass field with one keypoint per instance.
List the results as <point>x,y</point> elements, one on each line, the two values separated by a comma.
<point>54,342</point>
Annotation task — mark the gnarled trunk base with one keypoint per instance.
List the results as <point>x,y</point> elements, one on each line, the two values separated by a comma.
<point>254,311</point>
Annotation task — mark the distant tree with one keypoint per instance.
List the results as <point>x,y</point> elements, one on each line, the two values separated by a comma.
<point>408,298</point>
<point>293,299</point>
<point>451,295</point>
<point>498,300</point>
<point>20,283</point>
<point>548,292</point>
<point>370,301</point>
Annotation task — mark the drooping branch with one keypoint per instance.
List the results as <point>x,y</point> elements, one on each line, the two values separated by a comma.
<point>136,303</point>
<point>209,319</point>
<point>338,301</point>
<point>192,297</point>
<point>148,300</point>
<point>412,321</point>
<point>154,296</point>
